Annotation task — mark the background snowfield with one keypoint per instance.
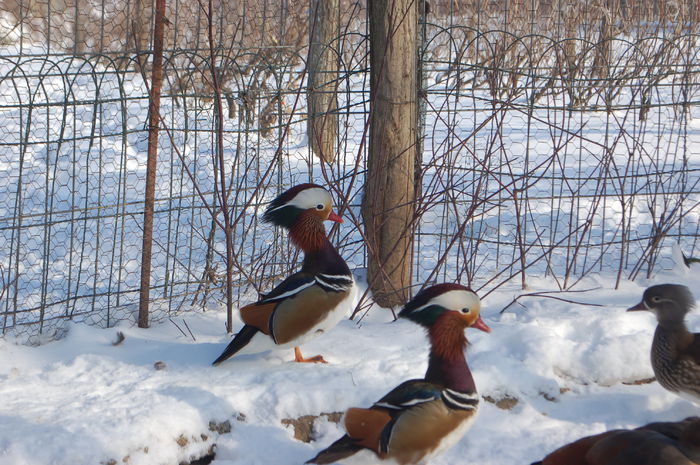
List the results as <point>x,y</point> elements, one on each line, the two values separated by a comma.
<point>71,209</point>
<point>565,370</point>
<point>550,372</point>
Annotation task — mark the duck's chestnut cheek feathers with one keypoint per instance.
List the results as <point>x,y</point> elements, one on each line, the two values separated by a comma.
<point>472,318</point>
<point>320,213</point>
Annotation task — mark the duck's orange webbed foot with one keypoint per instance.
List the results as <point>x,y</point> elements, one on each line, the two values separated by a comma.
<point>300,358</point>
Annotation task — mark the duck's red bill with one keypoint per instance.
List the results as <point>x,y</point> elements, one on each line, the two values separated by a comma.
<point>333,216</point>
<point>479,324</point>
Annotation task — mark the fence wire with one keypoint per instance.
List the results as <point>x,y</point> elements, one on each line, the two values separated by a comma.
<point>559,140</point>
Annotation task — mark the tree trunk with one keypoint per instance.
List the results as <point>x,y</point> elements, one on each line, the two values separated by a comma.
<point>323,77</point>
<point>603,50</point>
<point>388,204</point>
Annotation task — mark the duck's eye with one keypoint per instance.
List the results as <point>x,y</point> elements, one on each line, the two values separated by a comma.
<point>656,298</point>
<point>319,206</point>
<point>465,310</point>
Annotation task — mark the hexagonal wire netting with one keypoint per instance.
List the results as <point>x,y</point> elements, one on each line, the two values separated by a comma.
<point>558,139</point>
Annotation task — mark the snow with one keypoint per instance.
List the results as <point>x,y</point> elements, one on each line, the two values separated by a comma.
<point>576,186</point>
<point>571,369</point>
<point>566,370</point>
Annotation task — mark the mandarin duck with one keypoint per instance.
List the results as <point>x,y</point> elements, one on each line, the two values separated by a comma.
<point>420,418</point>
<point>661,443</point>
<point>310,301</point>
<point>675,351</point>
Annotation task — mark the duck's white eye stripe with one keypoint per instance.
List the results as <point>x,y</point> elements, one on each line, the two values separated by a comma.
<point>277,208</point>
<point>423,307</point>
<point>452,300</point>
<point>310,198</point>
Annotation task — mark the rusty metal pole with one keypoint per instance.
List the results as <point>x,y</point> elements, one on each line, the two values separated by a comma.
<point>153,126</point>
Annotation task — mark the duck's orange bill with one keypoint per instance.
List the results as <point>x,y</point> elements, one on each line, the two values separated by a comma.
<point>333,216</point>
<point>479,324</point>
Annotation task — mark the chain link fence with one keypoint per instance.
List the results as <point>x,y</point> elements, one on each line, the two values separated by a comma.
<point>559,139</point>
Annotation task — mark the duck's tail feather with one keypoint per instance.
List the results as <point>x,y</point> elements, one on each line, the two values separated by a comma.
<point>339,450</point>
<point>239,341</point>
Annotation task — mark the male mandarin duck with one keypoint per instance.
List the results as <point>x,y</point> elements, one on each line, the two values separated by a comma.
<point>675,351</point>
<point>308,302</point>
<point>662,443</point>
<point>420,418</point>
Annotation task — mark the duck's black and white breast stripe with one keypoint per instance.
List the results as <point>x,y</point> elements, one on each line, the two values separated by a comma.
<point>334,283</point>
<point>460,400</point>
<point>453,399</point>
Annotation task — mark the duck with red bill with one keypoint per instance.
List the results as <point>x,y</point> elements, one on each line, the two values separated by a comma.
<point>310,301</point>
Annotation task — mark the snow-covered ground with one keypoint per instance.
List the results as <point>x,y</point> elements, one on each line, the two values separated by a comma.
<point>565,370</point>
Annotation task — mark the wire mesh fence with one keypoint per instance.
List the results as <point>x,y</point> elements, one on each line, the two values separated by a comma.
<point>559,139</point>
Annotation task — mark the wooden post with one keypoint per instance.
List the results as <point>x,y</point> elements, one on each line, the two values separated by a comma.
<point>153,126</point>
<point>323,60</point>
<point>388,204</point>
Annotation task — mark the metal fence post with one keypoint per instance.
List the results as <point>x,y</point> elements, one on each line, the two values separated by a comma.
<point>153,124</point>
